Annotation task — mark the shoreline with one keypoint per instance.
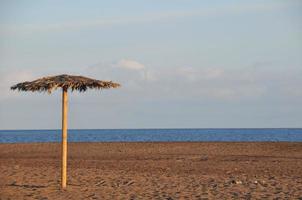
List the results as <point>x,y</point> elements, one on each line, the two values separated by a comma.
<point>159,142</point>
<point>152,170</point>
<point>152,142</point>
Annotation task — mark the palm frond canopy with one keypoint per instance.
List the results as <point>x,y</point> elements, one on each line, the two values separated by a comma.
<point>65,81</point>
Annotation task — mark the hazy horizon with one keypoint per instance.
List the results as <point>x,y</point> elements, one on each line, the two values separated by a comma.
<point>182,64</point>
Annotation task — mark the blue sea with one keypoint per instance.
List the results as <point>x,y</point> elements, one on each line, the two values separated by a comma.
<point>153,135</point>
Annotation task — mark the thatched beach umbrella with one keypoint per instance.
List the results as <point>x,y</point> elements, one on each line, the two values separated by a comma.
<point>65,82</point>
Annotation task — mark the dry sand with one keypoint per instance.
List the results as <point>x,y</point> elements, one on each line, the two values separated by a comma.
<point>153,171</point>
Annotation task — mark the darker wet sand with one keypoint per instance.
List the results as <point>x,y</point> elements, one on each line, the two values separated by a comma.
<point>153,171</point>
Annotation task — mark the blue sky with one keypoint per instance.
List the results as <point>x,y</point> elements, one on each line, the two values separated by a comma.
<point>181,63</point>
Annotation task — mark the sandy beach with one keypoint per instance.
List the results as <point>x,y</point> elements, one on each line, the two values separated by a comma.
<point>153,171</point>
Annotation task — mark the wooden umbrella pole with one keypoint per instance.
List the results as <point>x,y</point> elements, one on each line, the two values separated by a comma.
<point>64,138</point>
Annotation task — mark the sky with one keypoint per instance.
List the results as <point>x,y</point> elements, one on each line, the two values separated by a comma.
<point>181,63</point>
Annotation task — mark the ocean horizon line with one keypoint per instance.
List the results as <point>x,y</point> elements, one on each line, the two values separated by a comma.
<point>232,128</point>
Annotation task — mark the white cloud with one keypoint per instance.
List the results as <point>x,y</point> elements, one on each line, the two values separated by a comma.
<point>150,75</point>
<point>209,82</point>
<point>130,64</point>
<point>198,74</point>
<point>182,82</point>
<point>10,78</point>
<point>212,73</point>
